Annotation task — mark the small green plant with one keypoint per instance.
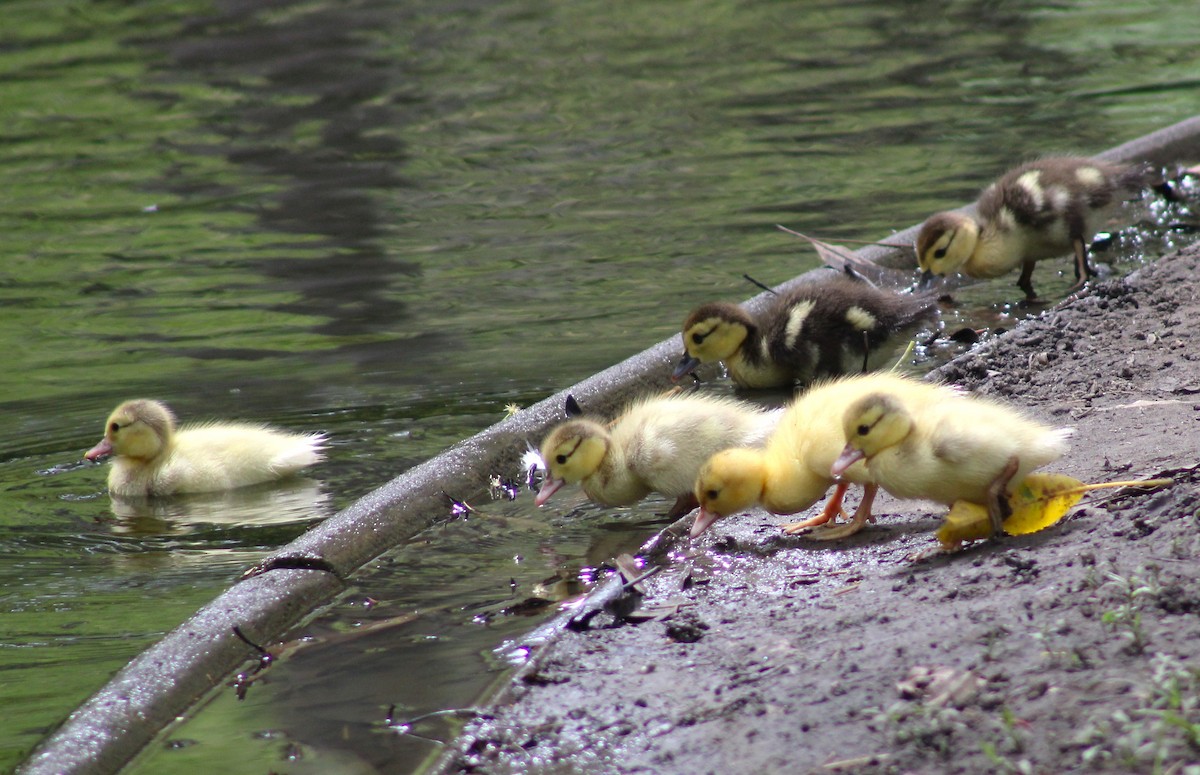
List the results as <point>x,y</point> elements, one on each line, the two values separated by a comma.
<point>923,727</point>
<point>1003,763</point>
<point>1013,743</point>
<point>1069,658</point>
<point>1126,618</point>
<point>949,732</point>
<point>1161,734</point>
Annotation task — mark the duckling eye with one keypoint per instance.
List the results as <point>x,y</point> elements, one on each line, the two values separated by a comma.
<point>561,459</point>
<point>712,495</point>
<point>698,338</point>
<point>863,430</point>
<point>114,428</point>
<point>939,253</point>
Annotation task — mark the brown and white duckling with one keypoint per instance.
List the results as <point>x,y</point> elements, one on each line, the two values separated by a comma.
<point>656,445</point>
<point>838,324</point>
<point>961,448</point>
<point>154,458</point>
<point>1038,210</point>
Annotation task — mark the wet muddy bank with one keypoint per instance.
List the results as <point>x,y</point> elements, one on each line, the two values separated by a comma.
<point>1064,651</point>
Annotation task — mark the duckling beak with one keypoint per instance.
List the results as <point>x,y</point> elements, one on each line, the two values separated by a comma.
<point>849,457</point>
<point>103,449</point>
<point>687,364</point>
<point>549,487</point>
<point>704,520</point>
<point>926,281</point>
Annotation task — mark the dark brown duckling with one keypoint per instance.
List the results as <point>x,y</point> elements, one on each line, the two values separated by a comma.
<point>838,324</point>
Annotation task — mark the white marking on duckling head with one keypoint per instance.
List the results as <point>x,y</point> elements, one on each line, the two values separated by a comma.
<point>1029,183</point>
<point>1090,176</point>
<point>1006,219</point>
<point>1060,198</point>
<point>795,323</point>
<point>860,318</point>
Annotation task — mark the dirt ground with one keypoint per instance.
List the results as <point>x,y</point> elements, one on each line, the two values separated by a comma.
<point>1076,649</point>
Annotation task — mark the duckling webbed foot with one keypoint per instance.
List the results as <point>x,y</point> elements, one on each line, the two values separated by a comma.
<point>1083,270</point>
<point>833,507</point>
<point>684,504</point>
<point>862,515</point>
<point>999,509</point>
<point>1025,281</point>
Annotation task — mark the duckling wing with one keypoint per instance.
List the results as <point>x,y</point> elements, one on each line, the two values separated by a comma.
<point>970,443</point>
<point>669,449</point>
<point>840,325</point>
<point>1060,198</point>
<point>226,456</point>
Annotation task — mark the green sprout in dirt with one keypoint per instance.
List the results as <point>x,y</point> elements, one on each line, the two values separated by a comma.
<point>1126,618</point>
<point>1014,743</point>
<point>1069,657</point>
<point>949,733</point>
<point>1161,734</point>
<point>925,728</point>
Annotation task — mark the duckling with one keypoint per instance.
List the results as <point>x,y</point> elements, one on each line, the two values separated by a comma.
<point>154,458</point>
<point>793,471</point>
<point>962,448</point>
<point>836,325</point>
<point>1038,210</point>
<point>657,445</point>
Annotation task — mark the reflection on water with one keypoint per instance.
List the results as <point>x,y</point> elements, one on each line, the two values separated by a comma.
<point>388,222</point>
<point>297,500</point>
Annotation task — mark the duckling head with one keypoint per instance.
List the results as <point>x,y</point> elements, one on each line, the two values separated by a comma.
<point>713,332</point>
<point>732,480</point>
<point>872,424</point>
<point>945,242</point>
<point>137,429</point>
<point>573,451</point>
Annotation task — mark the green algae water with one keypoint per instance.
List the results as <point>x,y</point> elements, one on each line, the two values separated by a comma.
<point>389,221</point>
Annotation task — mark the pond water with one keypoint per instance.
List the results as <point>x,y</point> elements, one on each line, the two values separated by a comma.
<point>389,221</point>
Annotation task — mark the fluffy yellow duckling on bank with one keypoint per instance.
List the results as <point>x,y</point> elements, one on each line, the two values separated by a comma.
<point>152,457</point>
<point>793,471</point>
<point>963,448</point>
<point>1038,210</point>
<point>838,324</point>
<point>657,445</point>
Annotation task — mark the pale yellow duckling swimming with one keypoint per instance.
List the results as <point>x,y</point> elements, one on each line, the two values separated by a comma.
<point>963,448</point>
<point>1042,209</point>
<point>838,324</point>
<point>657,445</point>
<point>793,471</point>
<point>154,458</point>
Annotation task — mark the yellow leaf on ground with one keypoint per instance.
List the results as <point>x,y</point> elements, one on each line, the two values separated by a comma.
<point>1038,502</point>
<point>965,522</point>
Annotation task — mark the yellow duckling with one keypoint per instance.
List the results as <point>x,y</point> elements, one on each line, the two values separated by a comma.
<point>793,471</point>
<point>840,324</point>
<point>963,448</point>
<point>153,458</point>
<point>1038,210</point>
<point>657,445</point>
